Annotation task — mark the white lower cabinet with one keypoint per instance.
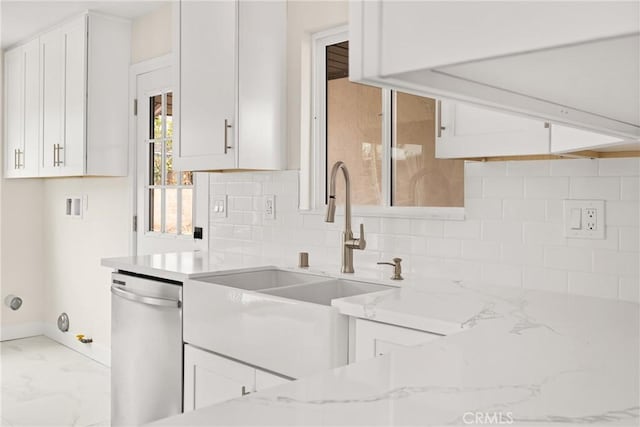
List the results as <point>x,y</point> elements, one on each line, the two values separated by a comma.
<point>210,378</point>
<point>373,339</point>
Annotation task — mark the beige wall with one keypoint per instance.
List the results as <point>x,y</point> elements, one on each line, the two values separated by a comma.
<point>151,34</point>
<point>21,255</point>
<point>304,19</point>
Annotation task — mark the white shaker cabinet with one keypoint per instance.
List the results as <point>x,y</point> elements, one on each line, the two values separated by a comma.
<point>67,100</point>
<point>22,110</point>
<point>373,339</point>
<point>84,67</point>
<point>472,131</point>
<point>571,63</point>
<point>231,88</point>
<point>210,378</point>
<point>467,131</point>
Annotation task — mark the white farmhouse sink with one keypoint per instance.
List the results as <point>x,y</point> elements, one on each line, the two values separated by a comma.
<point>267,278</point>
<point>275,319</point>
<point>323,293</point>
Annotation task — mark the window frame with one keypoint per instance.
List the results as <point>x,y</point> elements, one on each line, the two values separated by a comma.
<point>313,180</point>
<point>163,187</point>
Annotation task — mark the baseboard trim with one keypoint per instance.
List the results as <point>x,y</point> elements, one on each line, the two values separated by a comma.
<point>21,330</point>
<point>97,352</point>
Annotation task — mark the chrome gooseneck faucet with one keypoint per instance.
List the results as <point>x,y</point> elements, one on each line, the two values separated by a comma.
<point>348,241</point>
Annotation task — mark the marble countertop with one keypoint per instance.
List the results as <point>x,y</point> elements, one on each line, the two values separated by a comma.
<point>510,357</point>
<point>178,266</point>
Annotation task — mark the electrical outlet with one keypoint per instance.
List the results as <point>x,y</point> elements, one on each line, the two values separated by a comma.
<point>270,207</point>
<point>584,219</point>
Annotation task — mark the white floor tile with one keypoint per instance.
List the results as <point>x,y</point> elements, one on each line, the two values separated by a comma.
<point>45,383</point>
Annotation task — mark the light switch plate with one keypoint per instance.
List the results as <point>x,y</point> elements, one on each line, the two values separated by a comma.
<point>269,206</point>
<point>584,219</point>
<point>219,206</point>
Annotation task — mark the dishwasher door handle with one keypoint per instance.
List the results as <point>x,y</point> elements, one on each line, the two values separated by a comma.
<point>131,296</point>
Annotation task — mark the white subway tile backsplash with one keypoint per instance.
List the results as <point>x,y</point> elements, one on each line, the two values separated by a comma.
<point>607,188</point>
<point>529,168</point>
<point>428,228</point>
<point>502,187</point>
<point>618,263</point>
<point>523,209</point>
<point>483,208</point>
<point>545,279</point>
<point>610,241</point>
<point>523,254</point>
<point>619,167</point>
<point>629,239</point>
<point>513,234</point>
<point>546,187</point>
<point>566,258</point>
<point>622,213</point>
<point>446,248</point>
<point>574,167</point>
<point>629,289</point>
<point>479,250</point>
<point>502,274</point>
<point>472,187</point>
<point>554,211</point>
<point>630,188</point>
<point>502,231</point>
<point>472,168</point>
<point>594,285</point>
<point>545,233</point>
<point>469,229</point>
<point>396,226</point>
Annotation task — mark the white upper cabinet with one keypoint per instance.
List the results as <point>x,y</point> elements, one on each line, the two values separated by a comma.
<point>471,131</point>
<point>231,87</point>
<point>22,110</point>
<point>82,99</point>
<point>574,64</point>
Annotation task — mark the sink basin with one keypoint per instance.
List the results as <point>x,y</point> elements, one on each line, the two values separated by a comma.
<point>323,293</point>
<point>261,279</point>
<point>278,320</point>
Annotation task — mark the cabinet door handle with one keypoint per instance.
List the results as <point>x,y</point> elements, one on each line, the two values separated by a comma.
<point>439,126</point>
<point>15,158</point>
<point>226,135</point>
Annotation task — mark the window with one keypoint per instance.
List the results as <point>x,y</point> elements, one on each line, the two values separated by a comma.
<point>386,138</point>
<point>170,192</point>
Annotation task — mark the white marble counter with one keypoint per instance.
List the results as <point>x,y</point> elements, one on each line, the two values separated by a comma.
<point>174,265</point>
<point>529,358</point>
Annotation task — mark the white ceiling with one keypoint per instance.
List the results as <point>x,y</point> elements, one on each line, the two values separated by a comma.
<point>21,19</point>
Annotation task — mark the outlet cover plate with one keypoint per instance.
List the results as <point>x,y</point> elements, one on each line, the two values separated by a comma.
<point>584,219</point>
<point>269,206</point>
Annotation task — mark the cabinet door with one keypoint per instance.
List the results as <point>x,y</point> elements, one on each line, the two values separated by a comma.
<point>566,139</point>
<point>14,109</point>
<point>375,339</point>
<point>209,378</point>
<point>470,131</point>
<point>72,154</point>
<point>30,150</point>
<point>206,92</point>
<point>52,131</point>
<point>265,380</point>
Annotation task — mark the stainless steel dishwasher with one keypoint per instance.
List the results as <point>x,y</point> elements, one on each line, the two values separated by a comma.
<point>146,349</point>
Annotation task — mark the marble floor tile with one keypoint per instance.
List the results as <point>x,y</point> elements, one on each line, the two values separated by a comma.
<point>47,384</point>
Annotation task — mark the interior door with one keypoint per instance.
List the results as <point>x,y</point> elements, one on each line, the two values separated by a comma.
<point>170,204</point>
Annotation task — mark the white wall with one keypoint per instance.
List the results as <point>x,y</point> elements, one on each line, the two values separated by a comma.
<point>513,234</point>
<point>21,255</point>
<point>74,280</point>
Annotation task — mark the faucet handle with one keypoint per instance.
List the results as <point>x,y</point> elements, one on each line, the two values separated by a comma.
<point>362,243</point>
